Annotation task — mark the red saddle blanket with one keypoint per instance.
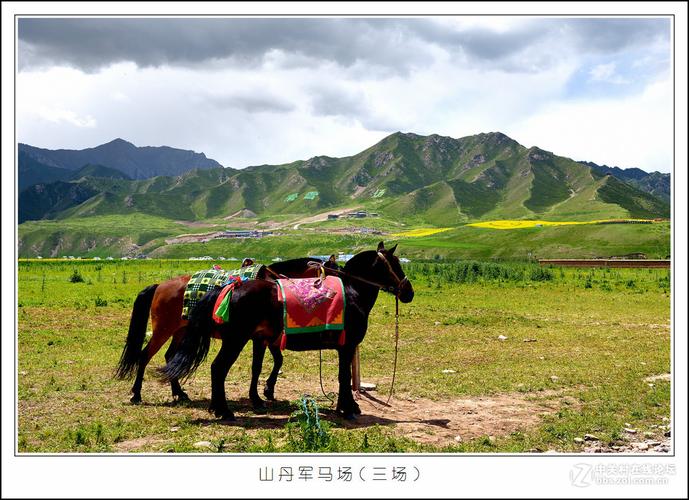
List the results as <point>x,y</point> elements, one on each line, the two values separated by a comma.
<point>312,304</point>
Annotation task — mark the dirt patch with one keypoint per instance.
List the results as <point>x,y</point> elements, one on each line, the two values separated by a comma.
<point>452,421</point>
<point>324,216</point>
<point>663,376</point>
<point>244,213</point>
<point>193,238</point>
<point>443,422</point>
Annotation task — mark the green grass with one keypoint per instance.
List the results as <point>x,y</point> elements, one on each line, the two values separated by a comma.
<point>582,241</point>
<point>599,331</point>
<point>117,235</point>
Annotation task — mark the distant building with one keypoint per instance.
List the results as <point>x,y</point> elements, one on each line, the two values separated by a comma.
<point>359,214</point>
<point>253,233</point>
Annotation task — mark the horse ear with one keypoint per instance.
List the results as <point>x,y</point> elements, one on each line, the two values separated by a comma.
<point>381,246</point>
<point>392,250</point>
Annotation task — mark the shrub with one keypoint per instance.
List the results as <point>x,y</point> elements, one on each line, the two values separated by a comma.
<point>313,435</point>
<point>76,276</point>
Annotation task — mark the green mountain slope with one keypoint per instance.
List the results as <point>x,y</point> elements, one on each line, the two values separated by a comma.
<point>426,179</point>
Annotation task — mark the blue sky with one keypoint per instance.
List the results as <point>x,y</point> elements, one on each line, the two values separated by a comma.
<point>256,91</point>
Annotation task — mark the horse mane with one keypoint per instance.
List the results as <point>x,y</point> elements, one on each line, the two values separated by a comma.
<point>360,261</point>
<point>286,266</point>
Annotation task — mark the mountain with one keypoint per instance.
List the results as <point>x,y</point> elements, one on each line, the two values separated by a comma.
<point>135,162</point>
<point>90,170</point>
<point>431,179</point>
<point>33,172</point>
<point>656,183</point>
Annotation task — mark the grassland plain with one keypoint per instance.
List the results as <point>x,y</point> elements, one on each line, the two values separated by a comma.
<point>118,235</point>
<point>593,337</point>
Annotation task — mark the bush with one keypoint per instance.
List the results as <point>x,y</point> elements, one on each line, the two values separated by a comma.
<point>313,435</point>
<point>474,271</point>
<point>541,274</point>
<point>76,277</point>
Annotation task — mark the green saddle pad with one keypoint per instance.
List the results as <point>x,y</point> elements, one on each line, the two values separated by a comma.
<point>203,281</point>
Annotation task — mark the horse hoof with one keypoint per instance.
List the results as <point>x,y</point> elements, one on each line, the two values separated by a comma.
<point>269,394</point>
<point>136,399</point>
<point>227,416</point>
<point>182,398</point>
<point>349,416</point>
<point>258,404</point>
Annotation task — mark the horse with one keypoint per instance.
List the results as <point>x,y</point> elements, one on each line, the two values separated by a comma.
<point>164,304</point>
<point>261,319</point>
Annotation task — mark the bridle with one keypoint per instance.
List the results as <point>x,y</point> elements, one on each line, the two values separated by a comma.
<point>394,290</point>
<point>399,282</point>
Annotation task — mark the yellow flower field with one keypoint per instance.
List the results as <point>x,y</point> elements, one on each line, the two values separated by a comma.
<point>417,233</point>
<point>522,224</point>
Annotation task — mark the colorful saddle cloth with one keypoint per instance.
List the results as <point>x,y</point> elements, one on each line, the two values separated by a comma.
<point>203,281</point>
<point>312,304</point>
<point>247,272</point>
<point>221,309</point>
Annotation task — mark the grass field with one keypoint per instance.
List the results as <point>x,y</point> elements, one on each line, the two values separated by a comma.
<point>579,345</point>
<point>102,236</point>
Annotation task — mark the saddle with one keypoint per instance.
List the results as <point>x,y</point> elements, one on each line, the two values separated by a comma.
<point>312,305</point>
<point>202,282</point>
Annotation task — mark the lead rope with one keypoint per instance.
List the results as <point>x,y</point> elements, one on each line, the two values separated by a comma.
<point>397,338</point>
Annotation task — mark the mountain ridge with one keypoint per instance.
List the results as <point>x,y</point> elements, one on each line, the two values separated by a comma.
<point>433,178</point>
<point>136,162</point>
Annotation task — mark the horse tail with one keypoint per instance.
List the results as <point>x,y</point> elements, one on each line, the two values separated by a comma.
<point>129,361</point>
<point>195,344</point>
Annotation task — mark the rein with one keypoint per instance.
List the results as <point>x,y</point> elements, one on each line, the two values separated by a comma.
<point>397,339</point>
<point>390,289</point>
<point>394,290</point>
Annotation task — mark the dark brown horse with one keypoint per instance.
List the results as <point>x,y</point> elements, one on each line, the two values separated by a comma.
<point>164,303</point>
<point>261,319</point>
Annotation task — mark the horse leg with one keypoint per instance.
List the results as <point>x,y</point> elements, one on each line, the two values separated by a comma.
<point>177,392</point>
<point>256,366</point>
<point>345,400</point>
<point>153,346</point>
<point>228,354</point>
<point>269,390</point>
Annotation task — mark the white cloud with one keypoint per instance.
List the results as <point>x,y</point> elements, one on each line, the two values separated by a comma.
<point>606,73</point>
<point>293,105</point>
<point>634,131</point>
<point>61,116</point>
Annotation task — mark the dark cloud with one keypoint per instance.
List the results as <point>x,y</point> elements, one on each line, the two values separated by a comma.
<point>90,44</point>
<point>334,101</point>
<point>397,44</point>
<point>249,103</point>
<point>612,35</point>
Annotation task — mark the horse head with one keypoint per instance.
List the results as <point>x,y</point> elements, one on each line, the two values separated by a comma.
<point>391,274</point>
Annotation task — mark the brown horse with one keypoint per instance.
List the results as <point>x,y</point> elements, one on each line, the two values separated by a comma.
<point>262,319</point>
<point>164,302</point>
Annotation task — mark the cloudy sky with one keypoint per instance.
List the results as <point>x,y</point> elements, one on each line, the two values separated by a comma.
<point>256,91</point>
